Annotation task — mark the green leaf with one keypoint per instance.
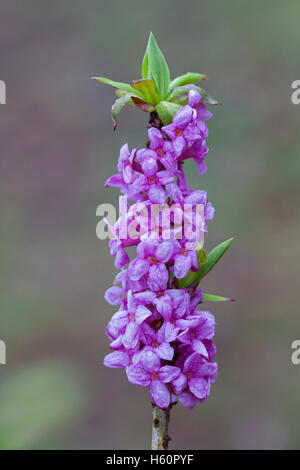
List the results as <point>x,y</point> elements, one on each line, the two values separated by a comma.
<point>148,89</point>
<point>128,98</point>
<point>215,298</point>
<point>166,111</point>
<point>145,66</point>
<point>121,85</point>
<point>185,79</point>
<point>157,67</point>
<point>146,107</point>
<point>192,276</point>
<point>120,93</point>
<point>212,258</point>
<point>136,101</point>
<point>118,105</point>
<point>180,95</point>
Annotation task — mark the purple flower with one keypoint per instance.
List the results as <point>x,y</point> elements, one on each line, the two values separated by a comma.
<point>127,284</point>
<point>129,171</point>
<point>193,383</point>
<point>153,185</point>
<point>157,334</point>
<point>196,297</point>
<point>128,323</point>
<point>148,372</point>
<point>196,328</point>
<point>151,259</point>
<point>183,131</point>
<point>115,295</point>
<point>125,164</point>
<point>193,198</point>
<point>117,359</point>
<point>117,250</point>
<point>198,152</point>
<point>195,101</point>
<point>184,261</point>
<point>162,149</point>
<point>173,305</point>
<point>156,342</point>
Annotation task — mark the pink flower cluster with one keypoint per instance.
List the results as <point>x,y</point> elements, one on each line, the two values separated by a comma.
<point>158,335</point>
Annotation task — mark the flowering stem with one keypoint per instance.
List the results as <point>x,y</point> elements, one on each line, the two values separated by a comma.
<point>160,425</point>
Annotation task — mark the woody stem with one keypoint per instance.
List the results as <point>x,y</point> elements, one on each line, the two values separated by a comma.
<point>160,425</point>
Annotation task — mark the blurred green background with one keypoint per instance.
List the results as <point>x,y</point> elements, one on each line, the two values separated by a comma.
<point>57,150</point>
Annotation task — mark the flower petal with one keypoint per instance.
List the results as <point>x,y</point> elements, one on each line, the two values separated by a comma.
<point>150,361</point>
<point>199,387</point>
<point>202,112</point>
<point>179,384</point>
<point>115,180</point>
<point>199,347</point>
<point>208,369</point>
<point>131,336</point>
<point>171,332</point>
<point>119,319</point>
<point>149,166</point>
<point>196,197</point>
<point>140,184</point>
<point>158,277</point>
<point>113,295</point>
<point>192,363</point>
<point>157,194</point>
<point>185,336</point>
<point>165,177</point>
<point>146,297</point>
<point>164,251</point>
<point>117,344</point>
<point>179,145</point>
<point>160,394</point>
<point>168,373</point>
<point>165,351</point>
<point>141,314</point>
<point>170,130</point>
<point>182,266</point>
<point>147,248</point>
<point>188,400</point>
<point>116,359</point>
<point>194,98</point>
<point>148,335</point>
<point>137,376</point>
<point>183,117</point>
<point>137,269</point>
<point>121,258</point>
<point>131,302</point>
<point>164,307</point>
<point>155,137</point>
<point>127,174</point>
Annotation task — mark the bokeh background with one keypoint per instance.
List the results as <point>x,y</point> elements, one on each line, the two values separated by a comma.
<point>58,148</point>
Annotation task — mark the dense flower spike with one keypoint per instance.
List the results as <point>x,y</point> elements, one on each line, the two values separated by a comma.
<point>158,336</point>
